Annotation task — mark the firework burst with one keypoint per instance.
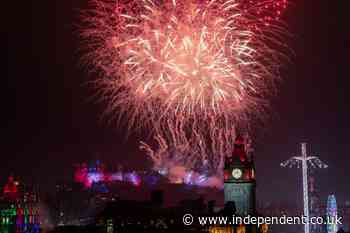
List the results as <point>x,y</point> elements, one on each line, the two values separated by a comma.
<point>188,70</point>
<point>182,58</point>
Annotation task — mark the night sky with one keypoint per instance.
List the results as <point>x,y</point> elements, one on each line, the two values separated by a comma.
<point>50,122</point>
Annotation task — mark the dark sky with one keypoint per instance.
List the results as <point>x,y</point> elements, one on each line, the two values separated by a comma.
<point>48,123</point>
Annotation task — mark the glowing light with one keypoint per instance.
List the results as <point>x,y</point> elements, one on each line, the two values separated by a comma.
<point>332,214</point>
<point>193,57</point>
<point>134,178</point>
<point>188,71</point>
<point>96,174</point>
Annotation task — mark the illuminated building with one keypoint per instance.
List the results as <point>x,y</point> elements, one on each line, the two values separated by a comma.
<point>96,173</point>
<point>19,208</point>
<point>332,214</point>
<point>239,179</point>
<point>239,189</point>
<point>10,189</point>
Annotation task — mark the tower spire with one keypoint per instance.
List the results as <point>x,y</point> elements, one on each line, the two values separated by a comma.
<point>239,179</point>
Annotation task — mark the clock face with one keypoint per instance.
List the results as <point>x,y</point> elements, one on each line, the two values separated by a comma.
<point>236,173</point>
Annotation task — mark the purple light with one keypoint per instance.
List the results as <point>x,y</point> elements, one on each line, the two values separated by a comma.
<point>95,177</point>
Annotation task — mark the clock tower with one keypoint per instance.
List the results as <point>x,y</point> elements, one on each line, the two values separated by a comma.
<point>239,179</point>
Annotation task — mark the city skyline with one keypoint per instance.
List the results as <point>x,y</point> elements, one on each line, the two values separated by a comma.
<point>52,125</point>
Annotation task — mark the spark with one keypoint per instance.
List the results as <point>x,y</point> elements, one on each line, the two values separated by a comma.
<point>187,71</point>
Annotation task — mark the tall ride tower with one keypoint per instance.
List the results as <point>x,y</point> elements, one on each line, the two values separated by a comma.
<point>239,179</point>
<point>304,159</point>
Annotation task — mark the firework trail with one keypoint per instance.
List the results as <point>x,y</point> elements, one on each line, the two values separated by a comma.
<point>188,71</point>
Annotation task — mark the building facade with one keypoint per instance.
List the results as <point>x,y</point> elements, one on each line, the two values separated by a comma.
<point>239,179</point>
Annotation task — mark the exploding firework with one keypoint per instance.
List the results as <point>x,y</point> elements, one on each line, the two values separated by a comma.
<point>189,71</point>
<point>183,59</point>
